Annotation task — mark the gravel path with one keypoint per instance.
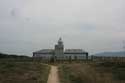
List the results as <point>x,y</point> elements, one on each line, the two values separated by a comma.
<point>53,76</point>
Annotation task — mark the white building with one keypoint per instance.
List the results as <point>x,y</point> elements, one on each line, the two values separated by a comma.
<point>60,54</point>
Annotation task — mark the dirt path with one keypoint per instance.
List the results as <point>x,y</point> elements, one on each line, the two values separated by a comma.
<point>53,76</point>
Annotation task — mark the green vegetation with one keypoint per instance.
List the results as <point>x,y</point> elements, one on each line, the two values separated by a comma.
<point>23,72</point>
<point>2,55</point>
<point>14,58</point>
<point>92,73</point>
<point>23,69</point>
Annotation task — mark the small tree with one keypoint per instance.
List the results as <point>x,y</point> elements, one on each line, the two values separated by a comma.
<point>70,59</point>
<point>75,57</point>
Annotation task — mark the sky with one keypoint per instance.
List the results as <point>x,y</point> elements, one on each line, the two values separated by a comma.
<point>30,25</point>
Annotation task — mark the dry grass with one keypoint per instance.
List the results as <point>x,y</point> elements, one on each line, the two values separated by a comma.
<point>23,72</point>
<point>89,73</point>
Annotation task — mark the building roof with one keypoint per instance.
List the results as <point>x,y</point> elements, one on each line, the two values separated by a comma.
<point>74,51</point>
<point>45,51</point>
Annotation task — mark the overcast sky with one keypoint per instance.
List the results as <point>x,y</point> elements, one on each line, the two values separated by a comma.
<point>31,25</point>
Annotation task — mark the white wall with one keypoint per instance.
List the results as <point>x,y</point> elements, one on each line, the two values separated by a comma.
<point>64,57</point>
<point>73,56</point>
<point>44,56</point>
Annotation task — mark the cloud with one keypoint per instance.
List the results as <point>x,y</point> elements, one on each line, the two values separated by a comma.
<point>94,25</point>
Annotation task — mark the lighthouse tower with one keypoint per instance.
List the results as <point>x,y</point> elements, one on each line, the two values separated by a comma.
<point>59,48</point>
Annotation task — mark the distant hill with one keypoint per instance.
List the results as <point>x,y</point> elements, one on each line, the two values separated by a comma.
<point>3,55</point>
<point>120,54</point>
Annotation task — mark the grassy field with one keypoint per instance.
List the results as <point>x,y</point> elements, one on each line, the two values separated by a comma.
<point>23,72</point>
<point>92,73</point>
<point>28,71</point>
